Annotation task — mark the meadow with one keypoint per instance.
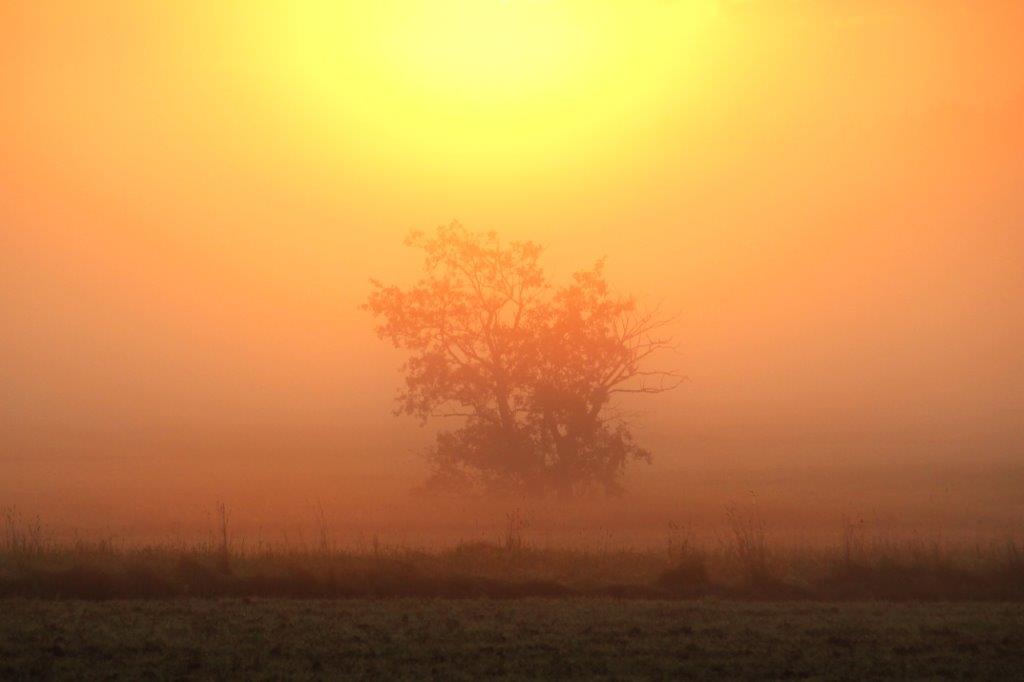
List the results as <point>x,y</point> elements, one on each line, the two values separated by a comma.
<point>745,605</point>
<point>744,562</point>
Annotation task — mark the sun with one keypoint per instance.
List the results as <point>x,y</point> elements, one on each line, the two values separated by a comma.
<point>483,83</point>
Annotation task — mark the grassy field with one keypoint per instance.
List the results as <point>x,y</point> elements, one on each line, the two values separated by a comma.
<point>531,638</point>
<point>745,607</point>
<point>904,572</point>
<point>744,564</point>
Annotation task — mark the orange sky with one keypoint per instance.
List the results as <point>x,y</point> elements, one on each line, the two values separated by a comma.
<point>194,195</point>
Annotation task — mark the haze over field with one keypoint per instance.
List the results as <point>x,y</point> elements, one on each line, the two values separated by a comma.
<point>194,199</point>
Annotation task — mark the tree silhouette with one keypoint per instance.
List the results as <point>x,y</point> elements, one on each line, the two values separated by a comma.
<point>530,369</point>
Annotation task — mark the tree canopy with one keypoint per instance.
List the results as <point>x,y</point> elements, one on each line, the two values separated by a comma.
<point>529,370</point>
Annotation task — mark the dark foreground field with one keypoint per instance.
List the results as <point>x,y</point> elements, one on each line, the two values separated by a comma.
<point>532,638</point>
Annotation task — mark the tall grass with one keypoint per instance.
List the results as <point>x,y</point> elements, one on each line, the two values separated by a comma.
<point>745,562</point>
<point>749,536</point>
<point>21,536</point>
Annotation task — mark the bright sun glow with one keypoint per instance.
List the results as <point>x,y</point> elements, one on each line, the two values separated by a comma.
<point>506,82</point>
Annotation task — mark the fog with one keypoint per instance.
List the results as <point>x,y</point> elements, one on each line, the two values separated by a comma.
<point>829,202</point>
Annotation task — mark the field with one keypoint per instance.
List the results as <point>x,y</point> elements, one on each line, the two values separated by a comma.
<point>746,606</point>
<point>744,563</point>
<point>534,638</point>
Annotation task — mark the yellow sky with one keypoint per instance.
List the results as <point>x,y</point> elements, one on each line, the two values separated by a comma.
<point>193,196</point>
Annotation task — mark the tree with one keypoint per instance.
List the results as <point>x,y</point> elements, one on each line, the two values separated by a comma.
<point>530,370</point>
